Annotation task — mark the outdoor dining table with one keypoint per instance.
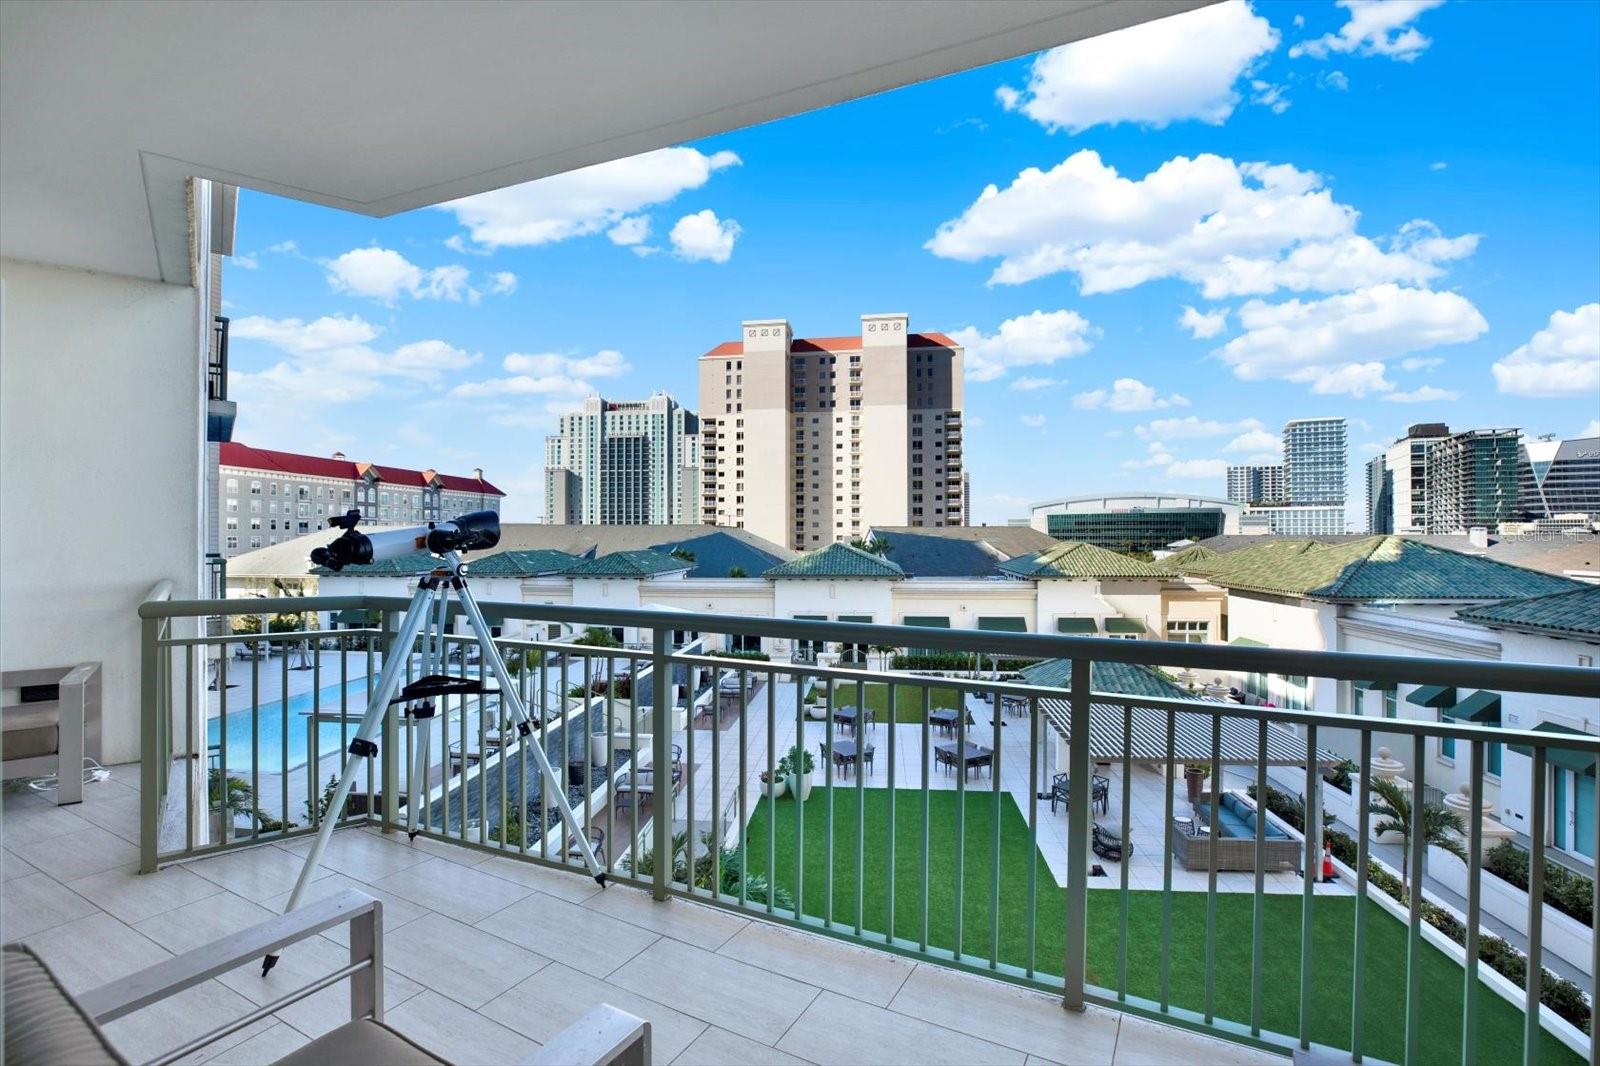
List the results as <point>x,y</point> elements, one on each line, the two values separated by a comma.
<point>945,719</point>
<point>847,716</point>
<point>845,753</point>
<point>970,757</point>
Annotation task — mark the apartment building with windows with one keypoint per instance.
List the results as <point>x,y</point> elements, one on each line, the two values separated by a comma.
<point>1252,483</point>
<point>1380,496</point>
<point>1311,502</point>
<point>1472,479</point>
<point>806,441</point>
<point>628,462</point>
<point>1406,463</point>
<point>1559,477</point>
<point>270,496</point>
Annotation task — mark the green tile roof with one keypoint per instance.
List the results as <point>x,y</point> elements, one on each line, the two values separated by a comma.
<point>642,563</point>
<point>1194,559</point>
<point>1376,568</point>
<point>1073,558</point>
<point>837,560</point>
<point>530,563</point>
<point>1575,611</point>
<point>1127,679</point>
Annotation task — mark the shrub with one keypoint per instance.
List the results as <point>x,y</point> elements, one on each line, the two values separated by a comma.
<point>955,660</point>
<point>1339,775</point>
<point>758,656</point>
<point>595,637</point>
<point>1570,893</point>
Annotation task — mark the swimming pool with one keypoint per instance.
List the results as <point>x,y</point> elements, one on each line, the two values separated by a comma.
<point>242,724</point>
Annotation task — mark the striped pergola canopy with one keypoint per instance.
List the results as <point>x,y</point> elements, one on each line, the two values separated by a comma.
<point>1146,740</point>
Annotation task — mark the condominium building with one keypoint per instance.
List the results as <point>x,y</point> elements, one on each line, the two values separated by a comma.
<point>1472,479</point>
<point>1293,521</point>
<point>1559,477</point>
<point>809,441</point>
<point>618,463</point>
<point>270,496</point>
<point>1406,462</point>
<point>1380,496</point>
<point>1314,461</point>
<point>1257,484</point>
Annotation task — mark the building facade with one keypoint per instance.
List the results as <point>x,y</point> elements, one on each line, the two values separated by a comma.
<point>624,463</point>
<point>1559,477</point>
<point>1254,484</point>
<point>1290,521</point>
<point>1380,496</point>
<point>1406,461</point>
<point>1314,453</point>
<point>271,496</point>
<point>810,441</point>
<point>1472,480</point>
<point>1135,522</point>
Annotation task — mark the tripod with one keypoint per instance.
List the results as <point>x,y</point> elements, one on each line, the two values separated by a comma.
<point>426,617</point>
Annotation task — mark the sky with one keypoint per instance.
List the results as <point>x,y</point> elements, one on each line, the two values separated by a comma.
<point>1157,246</point>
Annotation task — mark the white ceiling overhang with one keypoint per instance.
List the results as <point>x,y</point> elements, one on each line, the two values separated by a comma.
<point>107,108</point>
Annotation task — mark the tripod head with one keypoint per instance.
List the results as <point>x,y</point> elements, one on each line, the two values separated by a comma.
<point>476,531</point>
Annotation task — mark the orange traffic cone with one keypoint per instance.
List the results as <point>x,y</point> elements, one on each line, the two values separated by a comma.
<point>1327,863</point>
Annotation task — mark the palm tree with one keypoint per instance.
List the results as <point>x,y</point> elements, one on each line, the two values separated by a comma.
<point>1440,825</point>
<point>682,553</point>
<point>737,571</point>
<point>876,546</point>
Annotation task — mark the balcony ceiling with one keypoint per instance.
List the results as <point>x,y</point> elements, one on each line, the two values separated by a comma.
<point>106,108</point>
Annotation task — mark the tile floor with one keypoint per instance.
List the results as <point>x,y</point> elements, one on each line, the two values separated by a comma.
<point>486,957</point>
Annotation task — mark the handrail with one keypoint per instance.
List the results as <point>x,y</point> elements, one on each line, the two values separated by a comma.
<point>1334,665</point>
<point>160,592</point>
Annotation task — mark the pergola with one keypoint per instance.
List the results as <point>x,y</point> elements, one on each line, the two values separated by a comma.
<point>1146,737</point>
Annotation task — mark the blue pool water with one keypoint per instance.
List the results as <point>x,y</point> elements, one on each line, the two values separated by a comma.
<point>270,726</point>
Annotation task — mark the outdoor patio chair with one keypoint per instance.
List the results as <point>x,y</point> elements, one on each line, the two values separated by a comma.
<point>45,1025</point>
<point>597,844</point>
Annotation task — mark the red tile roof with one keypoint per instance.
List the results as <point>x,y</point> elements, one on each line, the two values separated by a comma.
<point>835,344</point>
<point>242,455</point>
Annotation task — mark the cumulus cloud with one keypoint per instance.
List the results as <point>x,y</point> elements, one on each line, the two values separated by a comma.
<point>1127,394</point>
<point>1423,394</point>
<point>1197,468</point>
<point>1034,384</point>
<point>244,262</point>
<point>1233,229</point>
<point>630,231</point>
<point>1421,362</point>
<point>385,275</point>
<point>1339,345</point>
<point>704,237</point>
<point>1164,429</point>
<point>1036,339</point>
<point>1373,28</point>
<point>560,377</point>
<point>1166,70</point>
<point>1257,442</point>
<point>332,360</point>
<point>1563,359</point>
<point>1203,325</point>
<point>586,201</point>
<point>503,283</point>
<point>1033,421</point>
<point>1159,457</point>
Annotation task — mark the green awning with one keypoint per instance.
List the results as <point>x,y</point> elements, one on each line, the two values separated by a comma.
<point>1375,686</point>
<point>810,618</point>
<point>363,618</point>
<point>1246,642</point>
<point>856,618</point>
<point>928,621</point>
<point>1125,625</point>
<point>1076,625</point>
<point>1482,707</point>
<point>1003,624</point>
<point>1439,696</point>
<point>1565,758</point>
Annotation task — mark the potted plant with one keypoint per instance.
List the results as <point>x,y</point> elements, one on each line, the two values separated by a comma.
<point>798,766</point>
<point>775,782</point>
<point>1194,776</point>
<point>814,708</point>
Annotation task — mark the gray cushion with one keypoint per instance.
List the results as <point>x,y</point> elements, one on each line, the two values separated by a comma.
<point>30,715</point>
<point>44,1026</point>
<point>362,1043</point>
<point>29,743</point>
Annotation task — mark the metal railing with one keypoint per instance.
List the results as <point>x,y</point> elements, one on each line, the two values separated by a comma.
<point>891,841</point>
<point>217,364</point>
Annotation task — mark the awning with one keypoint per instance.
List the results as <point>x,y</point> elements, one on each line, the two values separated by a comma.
<point>1246,642</point>
<point>366,617</point>
<point>1191,737</point>
<point>1432,696</point>
<point>1482,707</point>
<point>1125,625</point>
<point>1565,758</point>
<point>1076,625</point>
<point>1004,624</point>
<point>1375,686</point>
<point>867,618</point>
<point>928,621</point>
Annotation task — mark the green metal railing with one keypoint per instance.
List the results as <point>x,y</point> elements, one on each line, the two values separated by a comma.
<point>900,879</point>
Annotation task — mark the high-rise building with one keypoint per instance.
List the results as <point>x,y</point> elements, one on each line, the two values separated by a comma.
<point>1559,477</point>
<point>1257,484</point>
<point>1380,496</point>
<point>1472,480</point>
<point>966,497</point>
<point>270,496</point>
<point>809,441</point>
<point>1314,461</point>
<point>624,463</point>
<point>1406,460</point>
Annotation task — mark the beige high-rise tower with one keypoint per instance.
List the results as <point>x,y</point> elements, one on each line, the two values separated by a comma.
<point>809,441</point>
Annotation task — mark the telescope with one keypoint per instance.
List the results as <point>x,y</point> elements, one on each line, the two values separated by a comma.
<point>477,531</point>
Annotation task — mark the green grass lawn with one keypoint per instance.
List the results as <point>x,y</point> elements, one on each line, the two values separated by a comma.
<point>907,699</point>
<point>1500,1024</point>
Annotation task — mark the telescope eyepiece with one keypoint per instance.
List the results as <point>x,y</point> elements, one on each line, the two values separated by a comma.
<point>474,532</point>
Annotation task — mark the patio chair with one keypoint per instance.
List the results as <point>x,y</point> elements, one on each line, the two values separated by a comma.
<point>46,1025</point>
<point>597,844</point>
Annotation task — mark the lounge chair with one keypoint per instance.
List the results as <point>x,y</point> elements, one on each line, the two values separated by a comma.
<point>45,1025</point>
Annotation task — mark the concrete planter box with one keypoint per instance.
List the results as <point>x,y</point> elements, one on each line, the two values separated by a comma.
<point>1342,805</point>
<point>1562,934</point>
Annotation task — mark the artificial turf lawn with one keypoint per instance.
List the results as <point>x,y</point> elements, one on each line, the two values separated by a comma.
<point>1383,983</point>
<point>907,699</point>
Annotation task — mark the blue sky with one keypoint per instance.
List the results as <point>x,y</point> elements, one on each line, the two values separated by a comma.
<point>1384,211</point>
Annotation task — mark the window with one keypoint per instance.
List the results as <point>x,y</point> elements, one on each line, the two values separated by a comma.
<point>1188,632</point>
<point>1390,703</point>
<point>255,487</point>
<point>233,542</point>
<point>233,484</point>
<point>233,506</point>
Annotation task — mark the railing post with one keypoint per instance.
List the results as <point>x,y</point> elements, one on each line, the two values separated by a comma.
<point>389,748</point>
<point>1076,963</point>
<point>661,765</point>
<point>150,711</point>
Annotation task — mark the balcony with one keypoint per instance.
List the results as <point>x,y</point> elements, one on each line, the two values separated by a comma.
<point>220,411</point>
<point>973,889</point>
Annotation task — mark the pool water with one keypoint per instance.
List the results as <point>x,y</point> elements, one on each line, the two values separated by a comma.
<point>269,726</point>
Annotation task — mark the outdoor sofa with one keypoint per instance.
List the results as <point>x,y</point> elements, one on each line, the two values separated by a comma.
<point>1235,846</point>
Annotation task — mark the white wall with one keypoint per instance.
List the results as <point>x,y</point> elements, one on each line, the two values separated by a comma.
<point>101,437</point>
<point>1521,710</point>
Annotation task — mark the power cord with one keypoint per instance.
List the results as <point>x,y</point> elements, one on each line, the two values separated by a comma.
<point>92,772</point>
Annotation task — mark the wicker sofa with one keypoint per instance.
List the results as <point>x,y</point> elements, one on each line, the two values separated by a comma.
<point>1235,846</point>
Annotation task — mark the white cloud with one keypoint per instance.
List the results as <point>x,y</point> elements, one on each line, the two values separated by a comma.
<point>1127,394</point>
<point>1258,441</point>
<point>563,378</point>
<point>1230,228</point>
<point>1272,97</point>
<point>503,283</point>
<point>1162,71</point>
<point>1158,457</point>
<point>1592,429</point>
<point>331,360</point>
<point>586,201</point>
<point>631,230</point>
<point>703,237</point>
<point>1036,339</point>
<point>1421,362</point>
<point>284,247</point>
<point>1203,324</point>
<point>385,275</point>
<point>1563,359</point>
<point>1335,79</point>
<point>1423,394</point>
<point>244,262</point>
<point>1194,426</point>
<point>1438,165</point>
<point>1033,421</point>
<point>1034,384</point>
<point>1340,344</point>
<point>1198,468</point>
<point>1374,28</point>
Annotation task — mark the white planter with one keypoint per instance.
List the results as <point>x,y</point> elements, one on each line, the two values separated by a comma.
<point>802,788</point>
<point>1562,934</point>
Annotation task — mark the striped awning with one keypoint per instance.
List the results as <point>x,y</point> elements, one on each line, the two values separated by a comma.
<point>1432,696</point>
<point>1482,707</point>
<point>1191,737</point>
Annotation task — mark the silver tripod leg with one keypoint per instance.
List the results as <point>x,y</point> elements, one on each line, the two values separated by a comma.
<point>362,746</point>
<point>422,735</point>
<point>510,698</point>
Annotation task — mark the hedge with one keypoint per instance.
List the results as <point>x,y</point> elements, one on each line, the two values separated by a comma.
<point>955,660</point>
<point>1570,893</point>
<point>759,656</point>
